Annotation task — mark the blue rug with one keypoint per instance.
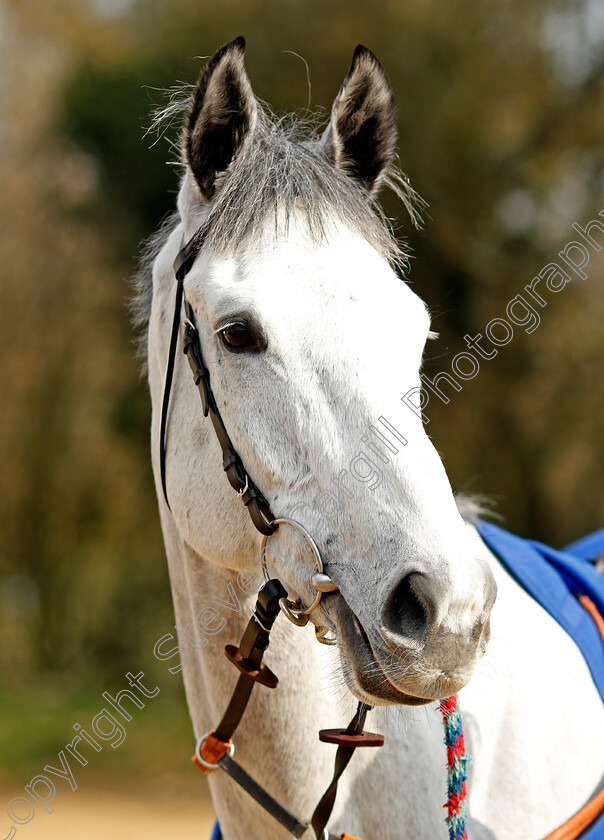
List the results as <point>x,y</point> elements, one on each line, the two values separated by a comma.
<point>554,579</point>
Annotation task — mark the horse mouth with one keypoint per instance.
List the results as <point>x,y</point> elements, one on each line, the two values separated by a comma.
<point>386,691</point>
<point>364,674</point>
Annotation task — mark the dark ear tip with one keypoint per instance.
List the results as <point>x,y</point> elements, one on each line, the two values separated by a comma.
<point>363,54</point>
<point>237,43</point>
<point>360,52</point>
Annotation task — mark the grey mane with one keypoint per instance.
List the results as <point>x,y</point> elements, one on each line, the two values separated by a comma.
<point>142,285</point>
<point>473,506</point>
<point>282,167</point>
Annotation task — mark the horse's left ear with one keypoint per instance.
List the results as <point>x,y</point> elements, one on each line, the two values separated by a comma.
<point>221,116</point>
<point>361,136</point>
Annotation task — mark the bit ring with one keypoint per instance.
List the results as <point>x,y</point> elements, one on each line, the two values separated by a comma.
<point>292,609</point>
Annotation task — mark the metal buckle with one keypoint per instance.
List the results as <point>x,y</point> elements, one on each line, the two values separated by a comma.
<point>209,767</point>
<point>294,612</point>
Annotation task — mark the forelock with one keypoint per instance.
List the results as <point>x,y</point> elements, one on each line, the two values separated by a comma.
<point>285,169</point>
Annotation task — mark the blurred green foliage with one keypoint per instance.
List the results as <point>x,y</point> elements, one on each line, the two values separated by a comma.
<point>42,724</point>
<point>501,123</point>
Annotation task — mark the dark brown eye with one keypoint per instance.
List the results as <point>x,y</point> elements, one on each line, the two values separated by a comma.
<point>238,337</point>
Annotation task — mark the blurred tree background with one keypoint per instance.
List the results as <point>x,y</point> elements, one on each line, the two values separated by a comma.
<point>501,119</point>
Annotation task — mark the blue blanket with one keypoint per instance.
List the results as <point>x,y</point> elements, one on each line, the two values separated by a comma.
<point>554,579</point>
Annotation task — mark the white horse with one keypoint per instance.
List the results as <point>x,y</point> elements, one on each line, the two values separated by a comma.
<point>311,338</point>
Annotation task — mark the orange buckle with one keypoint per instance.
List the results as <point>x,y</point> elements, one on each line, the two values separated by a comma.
<point>349,837</point>
<point>209,751</point>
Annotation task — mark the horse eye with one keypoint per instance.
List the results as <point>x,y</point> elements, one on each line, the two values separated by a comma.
<point>237,337</point>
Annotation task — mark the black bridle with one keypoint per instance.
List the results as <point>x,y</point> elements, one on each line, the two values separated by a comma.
<point>232,464</point>
<point>215,749</point>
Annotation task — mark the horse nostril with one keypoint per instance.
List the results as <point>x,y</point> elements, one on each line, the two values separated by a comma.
<point>408,611</point>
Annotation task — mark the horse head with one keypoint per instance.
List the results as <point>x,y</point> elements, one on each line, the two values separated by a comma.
<point>311,338</point>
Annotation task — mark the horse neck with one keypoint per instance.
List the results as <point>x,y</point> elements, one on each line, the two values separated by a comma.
<point>280,726</point>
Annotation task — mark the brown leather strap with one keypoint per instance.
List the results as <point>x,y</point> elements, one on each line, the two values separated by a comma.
<point>257,506</point>
<point>232,464</point>
<point>580,821</point>
<point>253,644</point>
<point>248,659</point>
<point>216,748</point>
<point>591,608</point>
<point>182,265</point>
<point>574,827</point>
<point>167,389</point>
<point>262,797</point>
<point>343,755</point>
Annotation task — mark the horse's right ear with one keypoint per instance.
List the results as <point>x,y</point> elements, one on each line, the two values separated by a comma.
<point>222,114</point>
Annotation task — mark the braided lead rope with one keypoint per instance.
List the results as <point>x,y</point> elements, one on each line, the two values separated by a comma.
<point>457,759</point>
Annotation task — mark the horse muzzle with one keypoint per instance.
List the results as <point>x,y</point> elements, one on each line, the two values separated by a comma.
<point>418,650</point>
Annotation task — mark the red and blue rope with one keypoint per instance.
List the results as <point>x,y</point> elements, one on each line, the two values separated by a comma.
<point>457,759</point>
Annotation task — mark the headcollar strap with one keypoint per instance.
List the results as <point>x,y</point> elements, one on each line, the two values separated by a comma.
<point>256,504</point>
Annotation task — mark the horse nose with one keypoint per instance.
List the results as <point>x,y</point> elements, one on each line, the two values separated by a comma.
<point>410,612</point>
<point>420,606</point>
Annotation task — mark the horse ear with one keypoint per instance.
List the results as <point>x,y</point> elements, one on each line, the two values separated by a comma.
<point>361,136</point>
<point>221,115</point>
